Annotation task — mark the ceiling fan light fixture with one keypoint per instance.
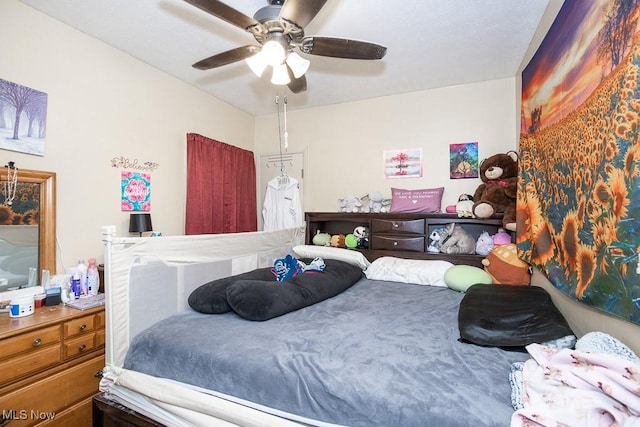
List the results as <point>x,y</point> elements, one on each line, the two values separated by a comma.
<point>274,52</point>
<point>280,75</point>
<point>257,63</point>
<point>298,64</point>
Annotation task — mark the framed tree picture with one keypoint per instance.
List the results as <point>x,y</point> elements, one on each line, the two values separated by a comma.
<point>405,163</point>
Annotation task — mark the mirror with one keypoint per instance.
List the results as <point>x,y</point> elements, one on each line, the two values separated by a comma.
<point>27,227</point>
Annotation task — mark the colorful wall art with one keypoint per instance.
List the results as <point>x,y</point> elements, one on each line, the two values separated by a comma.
<point>136,191</point>
<point>463,160</point>
<point>579,188</point>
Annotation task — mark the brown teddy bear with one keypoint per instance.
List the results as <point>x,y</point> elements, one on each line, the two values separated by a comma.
<point>497,193</point>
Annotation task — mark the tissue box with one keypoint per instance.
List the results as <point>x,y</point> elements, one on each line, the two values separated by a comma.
<point>53,297</point>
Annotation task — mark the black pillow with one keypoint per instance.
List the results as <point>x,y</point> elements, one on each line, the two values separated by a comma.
<point>211,298</point>
<point>509,316</point>
<point>263,300</point>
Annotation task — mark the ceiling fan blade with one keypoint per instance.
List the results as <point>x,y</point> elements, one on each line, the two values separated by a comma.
<point>342,48</point>
<point>301,12</point>
<point>296,85</point>
<point>224,12</point>
<point>227,57</point>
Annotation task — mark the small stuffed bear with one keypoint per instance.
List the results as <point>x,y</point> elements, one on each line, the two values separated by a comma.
<point>497,193</point>
<point>456,240</point>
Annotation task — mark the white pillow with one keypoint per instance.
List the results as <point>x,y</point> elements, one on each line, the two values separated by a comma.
<point>422,272</point>
<point>327,252</point>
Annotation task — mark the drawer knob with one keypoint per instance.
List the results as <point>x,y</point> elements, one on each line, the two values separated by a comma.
<point>395,224</point>
<point>395,243</point>
<point>36,342</point>
<point>98,374</point>
<point>83,327</point>
<point>82,347</point>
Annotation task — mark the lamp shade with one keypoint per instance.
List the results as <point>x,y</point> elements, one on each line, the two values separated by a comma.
<point>140,222</point>
<point>280,75</point>
<point>298,64</point>
<point>257,63</point>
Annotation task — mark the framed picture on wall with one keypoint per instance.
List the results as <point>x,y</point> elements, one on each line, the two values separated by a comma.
<point>136,191</point>
<point>405,163</point>
<point>23,118</point>
<point>463,160</point>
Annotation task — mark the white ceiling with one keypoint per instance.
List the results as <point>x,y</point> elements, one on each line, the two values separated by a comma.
<point>431,43</point>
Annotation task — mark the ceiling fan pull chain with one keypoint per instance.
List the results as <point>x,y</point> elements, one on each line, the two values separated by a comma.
<point>286,132</point>
<point>280,136</point>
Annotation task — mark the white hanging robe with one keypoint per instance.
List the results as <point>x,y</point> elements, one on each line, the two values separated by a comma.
<point>282,205</point>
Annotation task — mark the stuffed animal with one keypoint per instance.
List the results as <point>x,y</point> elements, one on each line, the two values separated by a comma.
<point>501,237</point>
<point>362,234</point>
<point>505,267</point>
<point>377,203</point>
<point>434,238</point>
<point>351,241</point>
<point>484,244</point>
<point>337,241</point>
<point>464,207</point>
<point>456,240</point>
<point>321,239</point>
<point>349,204</point>
<point>497,193</point>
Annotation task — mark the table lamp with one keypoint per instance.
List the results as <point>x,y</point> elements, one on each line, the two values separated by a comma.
<point>139,223</point>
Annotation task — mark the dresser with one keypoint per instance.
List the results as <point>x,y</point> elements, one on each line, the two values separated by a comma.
<point>50,366</point>
<point>400,235</point>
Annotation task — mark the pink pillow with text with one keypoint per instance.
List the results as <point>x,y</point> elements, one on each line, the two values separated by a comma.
<point>418,201</point>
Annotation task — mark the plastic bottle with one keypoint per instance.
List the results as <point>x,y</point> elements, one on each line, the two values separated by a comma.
<point>82,269</point>
<point>93,279</point>
<point>76,286</point>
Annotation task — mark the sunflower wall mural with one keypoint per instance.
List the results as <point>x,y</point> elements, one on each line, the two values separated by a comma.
<point>579,188</point>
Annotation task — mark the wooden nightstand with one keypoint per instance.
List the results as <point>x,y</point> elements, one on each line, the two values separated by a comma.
<point>50,366</point>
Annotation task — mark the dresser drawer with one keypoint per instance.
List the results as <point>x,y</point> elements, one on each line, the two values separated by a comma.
<point>80,325</point>
<point>29,341</point>
<point>33,361</point>
<point>398,243</point>
<point>79,345</point>
<point>53,394</point>
<point>414,226</point>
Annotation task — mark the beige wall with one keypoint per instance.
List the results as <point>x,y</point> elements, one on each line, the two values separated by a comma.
<point>344,143</point>
<point>103,104</point>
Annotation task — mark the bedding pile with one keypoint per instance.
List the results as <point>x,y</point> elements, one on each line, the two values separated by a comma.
<point>586,386</point>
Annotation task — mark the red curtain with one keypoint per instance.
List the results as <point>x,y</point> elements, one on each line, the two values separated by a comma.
<point>221,187</point>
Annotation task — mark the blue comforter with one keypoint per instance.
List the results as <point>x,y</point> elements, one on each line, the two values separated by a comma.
<point>378,354</point>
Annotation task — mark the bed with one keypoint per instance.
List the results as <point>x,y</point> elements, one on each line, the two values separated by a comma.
<point>377,353</point>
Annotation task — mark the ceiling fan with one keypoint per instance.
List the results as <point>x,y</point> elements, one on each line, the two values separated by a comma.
<point>279,29</point>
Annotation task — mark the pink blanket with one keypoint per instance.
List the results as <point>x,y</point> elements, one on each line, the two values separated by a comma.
<point>572,388</point>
